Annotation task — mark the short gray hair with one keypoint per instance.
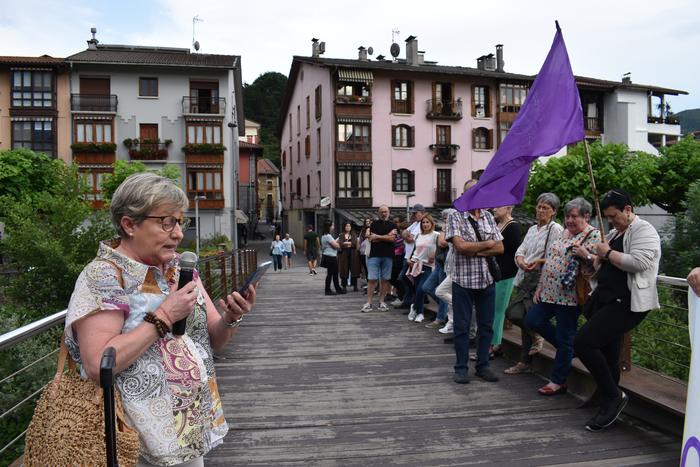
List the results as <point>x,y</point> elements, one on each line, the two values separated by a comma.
<point>549,198</point>
<point>583,206</point>
<point>140,193</point>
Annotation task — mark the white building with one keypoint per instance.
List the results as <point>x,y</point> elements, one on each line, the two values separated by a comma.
<point>161,106</point>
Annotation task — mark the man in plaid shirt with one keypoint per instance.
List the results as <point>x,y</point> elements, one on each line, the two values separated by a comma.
<point>472,284</point>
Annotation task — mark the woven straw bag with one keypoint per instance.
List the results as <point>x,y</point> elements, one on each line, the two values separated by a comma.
<point>68,426</point>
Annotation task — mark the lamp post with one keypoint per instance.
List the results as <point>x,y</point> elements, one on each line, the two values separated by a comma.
<point>408,209</point>
<point>196,216</point>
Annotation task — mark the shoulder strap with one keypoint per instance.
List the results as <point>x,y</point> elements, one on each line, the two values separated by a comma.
<point>587,234</point>
<point>475,226</point>
<point>506,226</point>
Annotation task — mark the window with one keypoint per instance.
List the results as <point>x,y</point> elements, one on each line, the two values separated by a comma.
<point>35,135</point>
<point>353,92</point>
<point>298,120</point>
<point>32,88</point>
<point>480,102</point>
<point>512,97</point>
<point>290,126</point>
<point>354,137</point>
<point>291,192</point>
<point>317,101</point>
<point>503,129</point>
<point>284,189</point>
<point>299,187</point>
<point>318,176</point>
<point>308,186</point>
<point>308,111</point>
<point>201,133</point>
<point>403,180</point>
<point>89,131</point>
<point>482,138</point>
<point>93,182</point>
<point>298,152</point>
<point>204,97</point>
<point>354,182</point>
<point>148,87</point>
<point>205,182</point>
<point>318,145</point>
<point>402,97</point>
<point>284,159</point>
<point>402,136</point>
<point>443,134</point>
<point>307,146</point>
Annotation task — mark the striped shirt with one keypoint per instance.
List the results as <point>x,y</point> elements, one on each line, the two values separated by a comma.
<point>471,272</point>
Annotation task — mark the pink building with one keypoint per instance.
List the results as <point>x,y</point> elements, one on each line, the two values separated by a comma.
<point>366,132</point>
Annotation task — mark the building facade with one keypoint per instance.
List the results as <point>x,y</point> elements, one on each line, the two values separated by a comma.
<point>250,152</point>
<point>160,106</point>
<point>35,105</point>
<point>269,196</point>
<point>363,132</point>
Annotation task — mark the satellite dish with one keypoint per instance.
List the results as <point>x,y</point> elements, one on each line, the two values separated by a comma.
<point>196,45</point>
<point>325,201</point>
<point>395,50</point>
<point>370,51</point>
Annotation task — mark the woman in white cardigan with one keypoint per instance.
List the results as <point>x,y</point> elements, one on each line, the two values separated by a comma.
<point>627,263</point>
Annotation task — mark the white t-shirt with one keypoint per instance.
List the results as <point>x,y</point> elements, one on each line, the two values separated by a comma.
<point>414,229</point>
<point>288,244</point>
<point>426,247</point>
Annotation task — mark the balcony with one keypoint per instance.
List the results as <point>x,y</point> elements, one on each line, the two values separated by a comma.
<point>149,151</point>
<point>444,198</point>
<point>93,102</point>
<point>444,109</point>
<point>94,153</point>
<point>204,153</point>
<point>203,105</point>
<point>444,153</point>
<point>341,99</point>
<point>669,120</point>
<point>593,124</point>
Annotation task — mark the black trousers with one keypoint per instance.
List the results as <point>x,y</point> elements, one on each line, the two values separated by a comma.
<point>331,265</point>
<point>599,341</point>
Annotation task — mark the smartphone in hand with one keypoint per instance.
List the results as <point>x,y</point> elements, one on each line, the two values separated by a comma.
<point>254,278</point>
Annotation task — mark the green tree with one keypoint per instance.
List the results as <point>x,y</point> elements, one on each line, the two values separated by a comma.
<point>123,169</point>
<point>24,172</point>
<point>613,166</point>
<point>682,252</point>
<point>679,166</point>
<point>262,101</point>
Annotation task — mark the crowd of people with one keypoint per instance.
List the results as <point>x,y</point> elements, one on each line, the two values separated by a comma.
<point>479,270</point>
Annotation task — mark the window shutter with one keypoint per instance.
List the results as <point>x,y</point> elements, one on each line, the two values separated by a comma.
<point>474,139</point>
<point>392,90</point>
<point>393,136</point>
<point>489,139</point>
<point>473,104</point>
<point>393,180</point>
<point>411,99</point>
<point>412,180</point>
<point>487,101</point>
<point>411,133</point>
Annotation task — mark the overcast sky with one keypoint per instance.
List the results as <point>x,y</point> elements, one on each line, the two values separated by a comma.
<point>657,42</point>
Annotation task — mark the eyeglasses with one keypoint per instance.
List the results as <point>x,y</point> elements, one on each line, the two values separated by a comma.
<point>168,222</point>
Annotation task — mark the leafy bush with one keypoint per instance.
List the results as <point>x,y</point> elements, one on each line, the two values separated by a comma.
<point>24,172</point>
<point>122,169</point>
<point>203,148</point>
<point>93,147</point>
<point>682,252</point>
<point>679,166</point>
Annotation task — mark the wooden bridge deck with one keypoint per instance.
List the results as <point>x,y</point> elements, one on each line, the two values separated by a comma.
<point>309,380</point>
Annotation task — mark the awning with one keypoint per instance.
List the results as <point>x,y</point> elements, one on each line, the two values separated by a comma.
<point>355,76</point>
<point>342,119</point>
<point>241,217</point>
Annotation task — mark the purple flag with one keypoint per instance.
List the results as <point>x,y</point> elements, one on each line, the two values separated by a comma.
<point>550,119</point>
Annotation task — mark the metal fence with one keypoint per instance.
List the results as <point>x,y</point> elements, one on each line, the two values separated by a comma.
<point>30,351</point>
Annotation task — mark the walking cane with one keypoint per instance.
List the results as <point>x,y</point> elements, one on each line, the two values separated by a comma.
<point>109,358</point>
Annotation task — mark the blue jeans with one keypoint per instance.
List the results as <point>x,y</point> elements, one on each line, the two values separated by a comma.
<point>539,319</point>
<point>277,261</point>
<point>419,298</point>
<point>434,279</point>
<point>462,303</point>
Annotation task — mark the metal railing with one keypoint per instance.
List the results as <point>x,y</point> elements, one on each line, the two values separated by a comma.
<point>444,108</point>
<point>203,105</point>
<point>149,151</point>
<point>593,124</point>
<point>32,349</point>
<point>444,153</point>
<point>94,102</point>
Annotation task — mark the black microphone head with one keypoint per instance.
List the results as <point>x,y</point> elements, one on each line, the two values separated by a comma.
<point>188,260</point>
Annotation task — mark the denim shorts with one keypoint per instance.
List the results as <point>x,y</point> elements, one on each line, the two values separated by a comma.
<point>379,268</point>
<point>288,254</point>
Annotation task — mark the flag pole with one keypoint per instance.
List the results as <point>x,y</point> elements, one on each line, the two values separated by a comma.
<point>599,217</point>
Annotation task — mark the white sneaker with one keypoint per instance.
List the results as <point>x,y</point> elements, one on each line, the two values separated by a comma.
<point>447,329</point>
<point>383,307</point>
<point>396,302</point>
<point>412,314</point>
<point>419,318</point>
<point>366,308</point>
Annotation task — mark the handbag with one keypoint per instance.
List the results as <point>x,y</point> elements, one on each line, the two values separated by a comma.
<point>575,278</point>
<point>491,262</point>
<point>68,426</point>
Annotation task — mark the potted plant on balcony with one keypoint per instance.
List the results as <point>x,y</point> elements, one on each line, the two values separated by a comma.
<point>203,148</point>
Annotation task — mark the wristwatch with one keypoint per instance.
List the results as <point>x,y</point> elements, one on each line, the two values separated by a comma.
<point>607,255</point>
<point>235,323</point>
<point>589,257</point>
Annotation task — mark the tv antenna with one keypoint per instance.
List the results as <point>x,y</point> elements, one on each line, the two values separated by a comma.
<point>395,50</point>
<point>394,32</point>
<point>195,44</point>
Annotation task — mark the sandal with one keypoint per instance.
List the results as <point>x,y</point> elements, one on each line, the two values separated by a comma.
<point>518,369</point>
<point>536,346</point>
<point>548,390</point>
<point>472,356</point>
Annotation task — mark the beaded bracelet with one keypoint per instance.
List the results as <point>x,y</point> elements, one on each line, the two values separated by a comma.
<point>160,325</point>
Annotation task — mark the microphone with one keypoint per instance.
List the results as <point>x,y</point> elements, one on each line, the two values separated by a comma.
<point>188,261</point>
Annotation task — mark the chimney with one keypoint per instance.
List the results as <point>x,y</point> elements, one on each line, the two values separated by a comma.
<point>412,50</point>
<point>489,62</point>
<point>92,43</point>
<point>499,58</point>
<point>362,54</point>
<point>480,62</point>
<point>627,78</point>
<point>314,47</point>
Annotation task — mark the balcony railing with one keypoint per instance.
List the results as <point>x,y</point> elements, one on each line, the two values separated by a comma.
<point>593,124</point>
<point>444,109</point>
<point>669,120</point>
<point>340,99</point>
<point>93,102</point>
<point>149,152</point>
<point>353,146</point>
<point>444,153</point>
<point>203,105</point>
<point>445,197</point>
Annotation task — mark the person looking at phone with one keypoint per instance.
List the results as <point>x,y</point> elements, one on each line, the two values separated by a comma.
<point>127,298</point>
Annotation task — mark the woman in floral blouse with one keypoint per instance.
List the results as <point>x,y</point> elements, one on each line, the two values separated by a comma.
<point>127,298</point>
<point>556,298</point>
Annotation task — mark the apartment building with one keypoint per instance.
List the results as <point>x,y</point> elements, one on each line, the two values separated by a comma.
<point>269,196</point>
<point>365,132</point>
<point>250,152</point>
<point>34,105</point>
<point>160,105</point>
